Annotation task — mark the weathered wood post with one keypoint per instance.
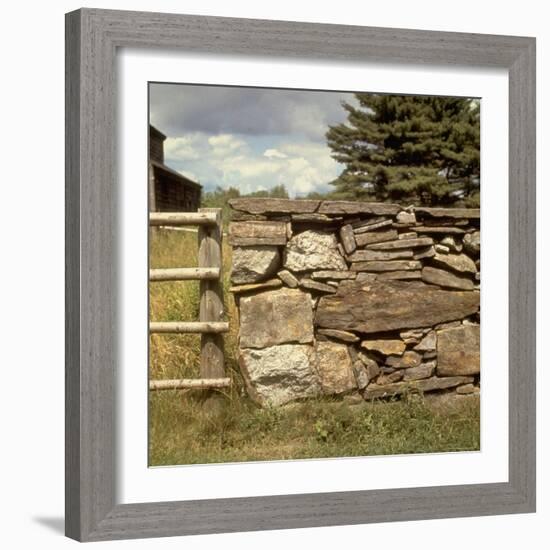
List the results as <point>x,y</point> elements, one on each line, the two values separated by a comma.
<point>211,304</point>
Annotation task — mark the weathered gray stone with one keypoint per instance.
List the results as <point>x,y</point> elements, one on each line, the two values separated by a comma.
<point>412,336</point>
<point>458,351</point>
<point>391,265</point>
<point>406,217</point>
<point>288,278</point>
<point>425,370</point>
<point>331,274</point>
<point>467,389</point>
<point>472,243</point>
<point>339,335</point>
<point>385,347</point>
<point>441,249</point>
<point>254,264</point>
<point>313,250</point>
<point>381,306</point>
<point>347,238</point>
<point>445,279</point>
<point>374,237</point>
<point>409,235</point>
<point>406,361</point>
<point>423,253</point>
<point>365,227</point>
<point>361,376</point>
<point>464,213</point>
<point>452,244</point>
<point>276,317</point>
<point>449,229</point>
<point>310,284</point>
<point>279,374</point>
<point>372,367</point>
<point>313,218</point>
<point>257,233</point>
<point>255,287</point>
<point>401,243</point>
<point>428,343</point>
<point>399,275</point>
<point>282,206</point>
<point>375,391</point>
<point>358,207</point>
<point>334,368</point>
<point>456,262</point>
<point>390,378</point>
<point>379,255</point>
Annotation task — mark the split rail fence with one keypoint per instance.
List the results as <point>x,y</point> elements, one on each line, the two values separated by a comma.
<point>209,272</point>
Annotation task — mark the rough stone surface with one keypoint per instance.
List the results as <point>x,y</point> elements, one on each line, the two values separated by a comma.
<point>364,239</point>
<point>406,217</point>
<point>402,243</point>
<point>288,278</point>
<point>458,351</point>
<point>458,213</point>
<point>361,376</point>
<point>456,262</point>
<point>254,287</point>
<point>282,206</point>
<point>467,389</point>
<point>472,243</point>
<point>390,378</point>
<point>424,253</point>
<point>347,238</point>
<point>428,343</point>
<point>374,391</point>
<point>379,255</point>
<point>337,275</point>
<point>310,284</point>
<point>399,275</point>
<point>425,370</point>
<point>381,306</point>
<point>370,226</point>
<point>406,361</point>
<point>275,317</point>
<point>445,279</point>
<point>409,235</point>
<point>334,368</point>
<point>313,250</point>
<point>254,264</point>
<point>385,347</point>
<point>339,335</point>
<point>452,244</point>
<point>448,230</point>
<point>279,374</point>
<point>391,265</point>
<point>257,233</point>
<point>357,207</point>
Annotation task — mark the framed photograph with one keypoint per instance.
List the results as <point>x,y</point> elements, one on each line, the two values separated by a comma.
<point>276,316</point>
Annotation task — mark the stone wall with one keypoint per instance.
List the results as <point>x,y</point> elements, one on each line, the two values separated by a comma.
<point>369,299</point>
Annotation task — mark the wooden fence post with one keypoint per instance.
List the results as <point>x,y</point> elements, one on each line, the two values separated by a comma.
<point>211,302</point>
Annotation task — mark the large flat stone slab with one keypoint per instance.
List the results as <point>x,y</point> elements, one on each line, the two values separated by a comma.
<point>274,206</point>
<point>380,306</point>
<point>279,374</point>
<point>357,207</point>
<point>276,317</point>
<point>455,213</point>
<point>458,351</point>
<point>257,233</point>
<point>375,391</point>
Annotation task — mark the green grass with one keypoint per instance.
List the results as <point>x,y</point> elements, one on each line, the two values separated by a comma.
<point>182,431</point>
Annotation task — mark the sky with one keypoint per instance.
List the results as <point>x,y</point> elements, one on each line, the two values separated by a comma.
<point>248,138</point>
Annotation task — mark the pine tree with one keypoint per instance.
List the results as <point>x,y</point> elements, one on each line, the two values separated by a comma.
<point>417,149</point>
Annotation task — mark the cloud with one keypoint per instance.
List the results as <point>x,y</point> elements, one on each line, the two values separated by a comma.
<point>274,153</point>
<point>179,109</point>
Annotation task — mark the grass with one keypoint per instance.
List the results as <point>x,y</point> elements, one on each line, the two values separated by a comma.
<point>181,431</point>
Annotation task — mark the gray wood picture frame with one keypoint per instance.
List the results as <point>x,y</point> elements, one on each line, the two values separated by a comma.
<point>92,39</point>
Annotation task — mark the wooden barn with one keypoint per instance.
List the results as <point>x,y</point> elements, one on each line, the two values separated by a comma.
<point>169,191</point>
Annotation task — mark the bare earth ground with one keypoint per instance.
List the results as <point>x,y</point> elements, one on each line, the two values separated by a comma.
<point>183,432</point>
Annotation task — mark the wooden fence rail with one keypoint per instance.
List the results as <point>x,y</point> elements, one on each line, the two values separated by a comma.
<point>210,324</point>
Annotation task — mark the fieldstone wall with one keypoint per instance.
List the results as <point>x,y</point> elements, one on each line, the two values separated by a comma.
<point>369,299</point>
